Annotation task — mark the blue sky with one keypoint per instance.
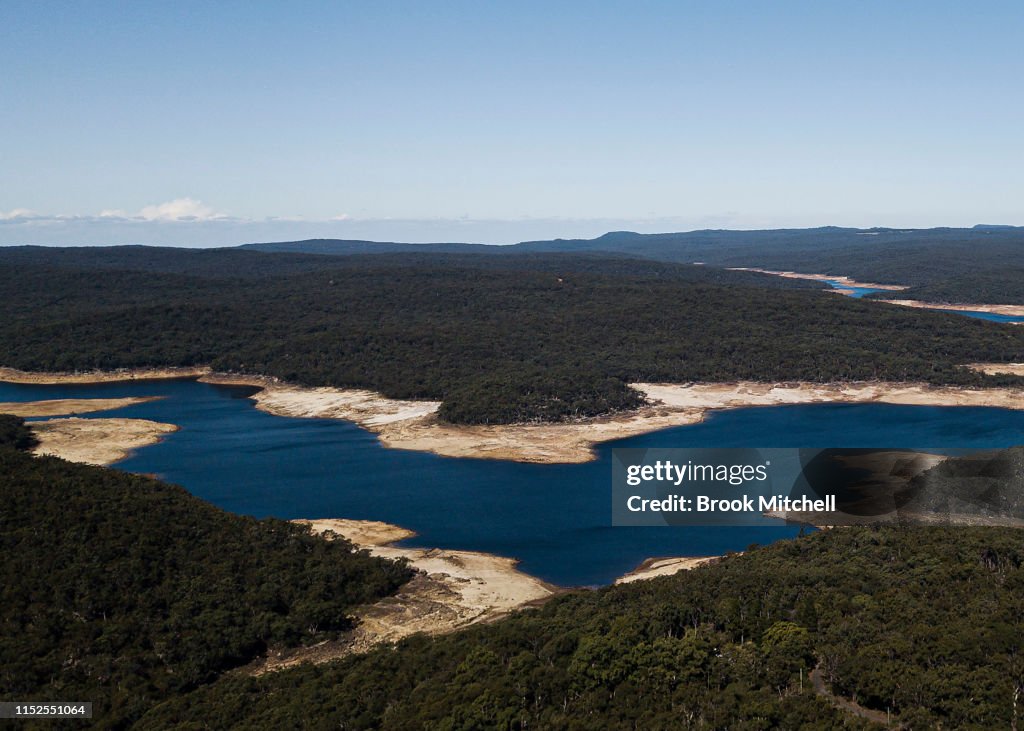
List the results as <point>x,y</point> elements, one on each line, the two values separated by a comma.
<point>199,123</point>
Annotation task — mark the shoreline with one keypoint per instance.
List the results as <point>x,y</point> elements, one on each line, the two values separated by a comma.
<point>845,281</point>
<point>51,378</point>
<point>413,425</point>
<point>70,406</point>
<point>1008,310</point>
<point>652,568</point>
<point>99,442</point>
<point>451,591</point>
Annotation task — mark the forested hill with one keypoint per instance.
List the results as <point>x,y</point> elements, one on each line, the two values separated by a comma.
<point>980,264</point>
<point>1004,285</point>
<point>535,338</point>
<point>123,591</point>
<point>245,264</point>
<point>345,247</point>
<point>925,623</point>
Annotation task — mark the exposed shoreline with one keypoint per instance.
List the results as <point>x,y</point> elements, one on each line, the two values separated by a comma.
<point>653,568</point>
<point>96,441</point>
<point>70,406</point>
<point>13,375</point>
<point>451,591</point>
<point>1008,310</point>
<point>100,441</point>
<point>413,425</point>
<point>845,281</point>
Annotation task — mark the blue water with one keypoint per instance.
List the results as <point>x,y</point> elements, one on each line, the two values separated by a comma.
<point>554,518</point>
<point>855,292</point>
<point>858,292</point>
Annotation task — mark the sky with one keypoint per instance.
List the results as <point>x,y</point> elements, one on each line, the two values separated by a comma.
<point>200,124</point>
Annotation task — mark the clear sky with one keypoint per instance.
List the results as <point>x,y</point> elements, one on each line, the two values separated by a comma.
<point>198,123</point>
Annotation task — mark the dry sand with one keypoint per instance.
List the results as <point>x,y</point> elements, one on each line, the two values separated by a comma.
<point>655,567</point>
<point>451,590</point>
<point>414,425</point>
<point>1009,310</point>
<point>821,278</point>
<point>60,407</point>
<point>96,441</point>
<point>12,375</point>
<point>363,533</point>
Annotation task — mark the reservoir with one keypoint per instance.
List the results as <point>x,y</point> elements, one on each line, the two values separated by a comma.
<point>555,518</point>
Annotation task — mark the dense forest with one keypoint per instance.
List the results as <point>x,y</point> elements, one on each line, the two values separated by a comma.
<point>965,265</point>
<point>924,623</point>
<point>122,590</point>
<point>243,263</point>
<point>15,433</point>
<point>998,286</point>
<point>498,339</point>
<point>949,257</point>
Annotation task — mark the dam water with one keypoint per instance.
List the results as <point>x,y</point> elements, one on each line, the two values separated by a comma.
<point>555,518</point>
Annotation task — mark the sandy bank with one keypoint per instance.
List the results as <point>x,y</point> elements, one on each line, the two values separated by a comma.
<point>1009,310</point>
<point>999,369</point>
<point>60,407</point>
<point>655,567</point>
<point>414,425</point>
<point>845,281</point>
<point>452,590</point>
<point>12,375</point>
<point>96,441</point>
<point>366,408</point>
<point>363,533</point>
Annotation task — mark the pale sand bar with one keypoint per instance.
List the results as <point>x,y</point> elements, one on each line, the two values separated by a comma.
<point>845,281</point>
<point>652,568</point>
<point>12,375</point>
<point>70,406</point>
<point>1008,310</point>
<point>414,424</point>
<point>451,590</point>
<point>96,441</point>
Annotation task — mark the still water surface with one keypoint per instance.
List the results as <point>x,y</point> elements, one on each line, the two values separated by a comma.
<point>554,518</point>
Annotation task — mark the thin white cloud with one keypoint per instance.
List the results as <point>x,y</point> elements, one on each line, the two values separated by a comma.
<point>179,209</point>
<point>16,214</point>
